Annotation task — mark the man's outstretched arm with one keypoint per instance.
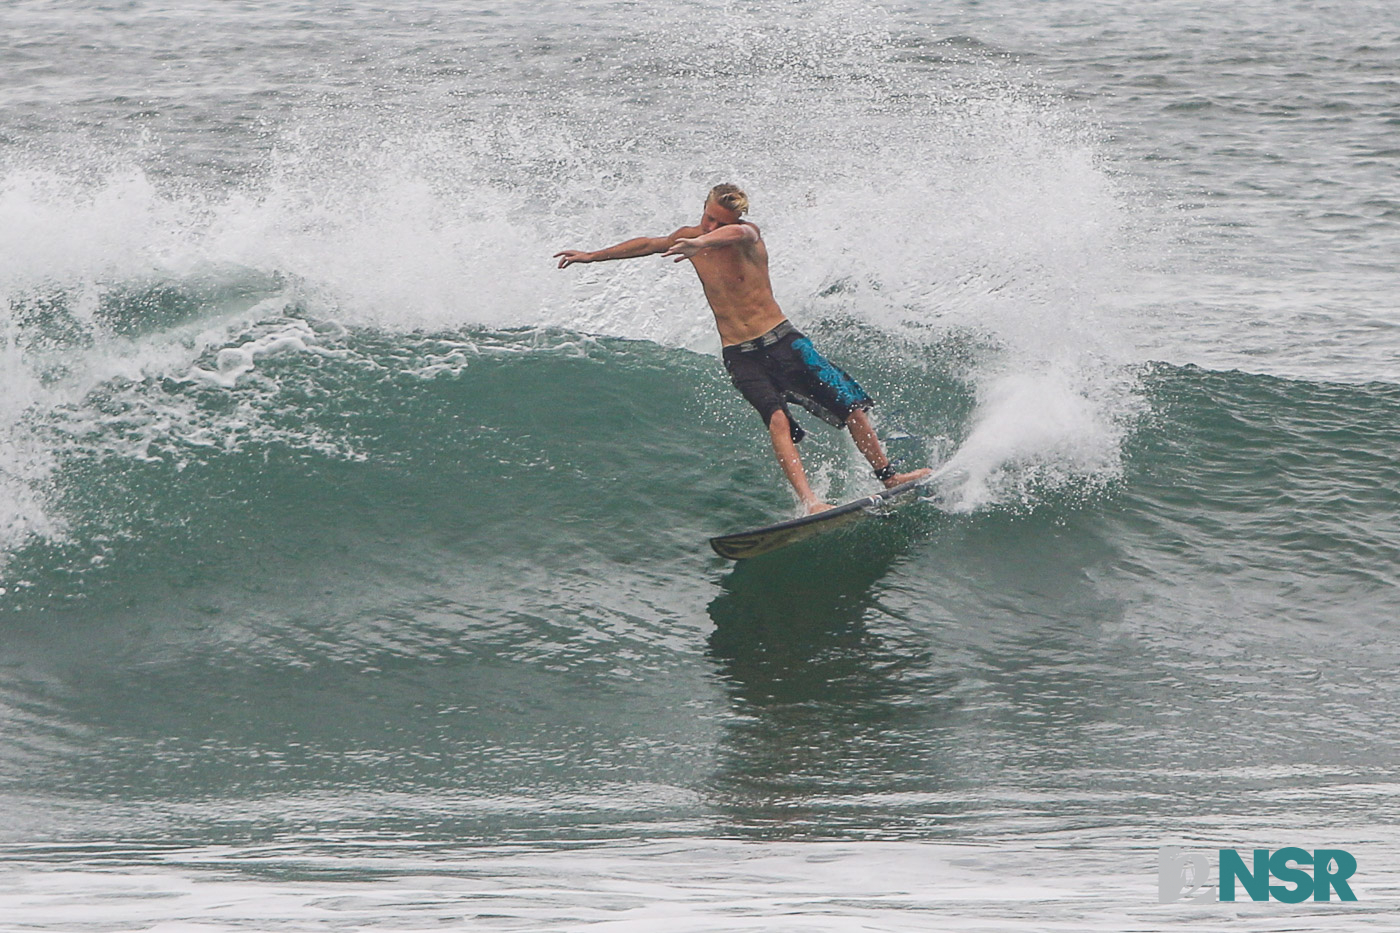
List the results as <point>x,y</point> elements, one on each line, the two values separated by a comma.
<point>627,249</point>
<point>729,235</point>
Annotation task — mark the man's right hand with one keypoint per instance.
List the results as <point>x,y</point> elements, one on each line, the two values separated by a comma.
<point>684,248</point>
<point>570,256</point>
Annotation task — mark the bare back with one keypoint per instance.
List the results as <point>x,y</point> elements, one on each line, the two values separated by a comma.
<point>736,283</point>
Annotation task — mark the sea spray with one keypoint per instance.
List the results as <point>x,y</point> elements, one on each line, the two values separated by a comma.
<point>925,202</point>
<point>1031,434</point>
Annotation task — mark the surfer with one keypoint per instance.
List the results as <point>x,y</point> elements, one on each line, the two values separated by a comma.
<point>769,361</point>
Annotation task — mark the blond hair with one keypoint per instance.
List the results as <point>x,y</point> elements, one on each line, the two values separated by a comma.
<point>730,197</point>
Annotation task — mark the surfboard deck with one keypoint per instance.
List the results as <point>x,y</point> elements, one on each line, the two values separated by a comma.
<point>744,544</point>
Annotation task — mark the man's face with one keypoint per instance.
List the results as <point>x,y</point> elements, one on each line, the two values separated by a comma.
<point>716,215</point>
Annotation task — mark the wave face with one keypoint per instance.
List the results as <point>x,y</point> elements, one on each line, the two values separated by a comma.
<point>338,527</point>
<point>459,562</point>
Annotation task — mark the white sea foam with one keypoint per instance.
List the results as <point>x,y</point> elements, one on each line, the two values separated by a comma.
<point>289,336</point>
<point>25,464</point>
<point>1099,881</point>
<point>1031,433</point>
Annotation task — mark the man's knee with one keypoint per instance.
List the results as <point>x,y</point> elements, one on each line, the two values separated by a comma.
<point>780,423</point>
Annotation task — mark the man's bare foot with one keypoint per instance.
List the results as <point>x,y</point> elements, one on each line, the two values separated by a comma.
<point>906,477</point>
<point>814,507</point>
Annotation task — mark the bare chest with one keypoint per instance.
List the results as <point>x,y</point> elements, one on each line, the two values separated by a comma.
<point>730,272</point>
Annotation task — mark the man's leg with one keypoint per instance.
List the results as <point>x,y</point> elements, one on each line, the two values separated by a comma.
<point>780,433</point>
<point>863,433</point>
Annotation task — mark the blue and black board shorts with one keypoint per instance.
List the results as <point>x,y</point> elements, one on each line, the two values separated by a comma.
<point>782,366</point>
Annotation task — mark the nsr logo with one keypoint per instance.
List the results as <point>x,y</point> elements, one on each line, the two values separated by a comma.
<point>1186,876</point>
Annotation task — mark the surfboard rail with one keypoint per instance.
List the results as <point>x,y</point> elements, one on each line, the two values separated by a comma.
<point>745,544</point>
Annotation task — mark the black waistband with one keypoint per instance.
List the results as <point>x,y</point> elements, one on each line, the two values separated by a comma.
<point>763,340</point>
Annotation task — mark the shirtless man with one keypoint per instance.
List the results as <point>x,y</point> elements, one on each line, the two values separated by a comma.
<point>769,361</point>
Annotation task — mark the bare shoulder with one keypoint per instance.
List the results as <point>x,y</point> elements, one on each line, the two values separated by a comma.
<point>758,234</point>
<point>685,233</point>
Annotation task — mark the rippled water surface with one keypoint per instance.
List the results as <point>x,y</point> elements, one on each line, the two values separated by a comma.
<point>352,557</point>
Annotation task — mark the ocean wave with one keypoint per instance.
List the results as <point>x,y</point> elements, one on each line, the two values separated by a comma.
<point>557,419</point>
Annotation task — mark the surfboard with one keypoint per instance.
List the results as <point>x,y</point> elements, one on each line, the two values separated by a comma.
<point>744,544</point>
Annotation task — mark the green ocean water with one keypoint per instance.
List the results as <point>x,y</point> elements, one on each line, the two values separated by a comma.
<point>353,562</point>
<point>435,578</point>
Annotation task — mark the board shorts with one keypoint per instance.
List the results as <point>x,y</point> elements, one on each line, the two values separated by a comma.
<point>782,366</point>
